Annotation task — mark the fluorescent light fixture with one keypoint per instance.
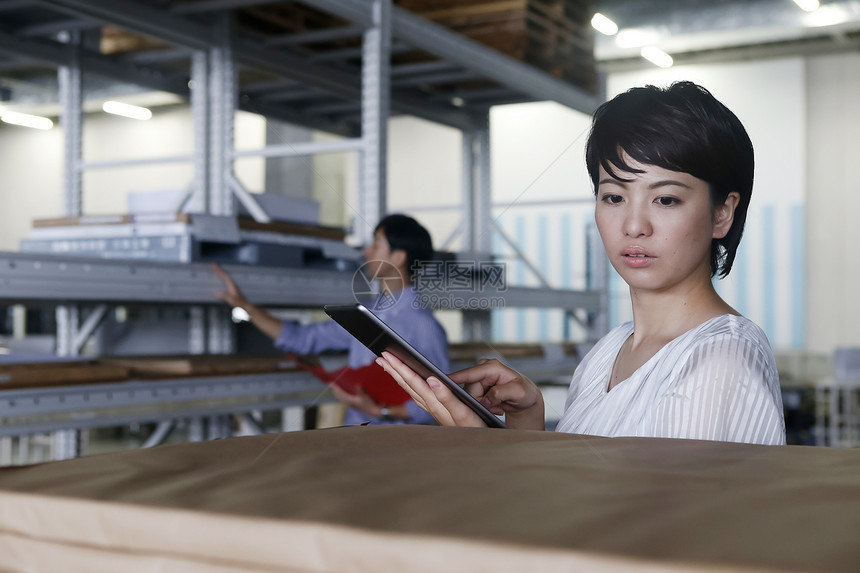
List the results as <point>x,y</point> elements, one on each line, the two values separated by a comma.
<point>636,38</point>
<point>604,25</point>
<point>458,101</point>
<point>825,16</point>
<point>127,110</point>
<point>657,56</point>
<point>808,5</point>
<point>26,120</point>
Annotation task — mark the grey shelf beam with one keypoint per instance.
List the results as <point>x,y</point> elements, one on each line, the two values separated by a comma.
<point>31,276</point>
<point>316,36</point>
<point>452,47</point>
<point>144,19</point>
<point>54,54</point>
<point>37,410</point>
<point>35,277</point>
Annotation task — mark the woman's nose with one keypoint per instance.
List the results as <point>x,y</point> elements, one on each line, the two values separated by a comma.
<point>636,222</point>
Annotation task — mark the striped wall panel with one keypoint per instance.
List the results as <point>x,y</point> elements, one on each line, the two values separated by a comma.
<point>767,282</point>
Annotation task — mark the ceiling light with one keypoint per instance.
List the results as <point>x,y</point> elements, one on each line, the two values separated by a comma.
<point>26,120</point>
<point>127,110</point>
<point>825,16</point>
<point>808,5</point>
<point>458,102</point>
<point>657,56</point>
<point>604,25</point>
<point>636,38</point>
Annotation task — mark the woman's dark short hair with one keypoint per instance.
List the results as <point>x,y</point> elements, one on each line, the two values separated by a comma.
<point>407,234</point>
<point>681,128</point>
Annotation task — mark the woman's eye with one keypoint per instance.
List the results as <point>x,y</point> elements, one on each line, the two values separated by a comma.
<point>667,201</point>
<point>612,199</point>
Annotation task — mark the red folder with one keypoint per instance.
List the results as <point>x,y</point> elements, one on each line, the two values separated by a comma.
<point>375,382</point>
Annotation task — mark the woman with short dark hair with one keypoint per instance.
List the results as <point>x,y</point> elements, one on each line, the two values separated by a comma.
<point>672,171</point>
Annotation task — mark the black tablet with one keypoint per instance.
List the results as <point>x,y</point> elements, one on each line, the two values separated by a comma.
<point>368,329</point>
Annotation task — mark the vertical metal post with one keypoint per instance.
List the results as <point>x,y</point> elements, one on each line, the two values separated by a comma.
<point>195,430</point>
<point>200,113</point>
<point>219,330</point>
<point>65,444</point>
<point>71,95</point>
<point>292,419</point>
<point>197,330</point>
<point>68,319</point>
<point>23,449</point>
<point>222,108</point>
<point>212,330</point>
<point>70,79</point>
<point>468,191</point>
<point>482,206</point>
<point>375,104</point>
<point>19,321</point>
<point>5,451</point>
<point>477,324</point>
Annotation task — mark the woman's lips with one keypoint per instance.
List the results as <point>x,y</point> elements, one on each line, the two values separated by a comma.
<point>637,257</point>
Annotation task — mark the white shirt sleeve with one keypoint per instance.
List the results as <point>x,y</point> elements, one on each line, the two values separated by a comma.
<point>727,390</point>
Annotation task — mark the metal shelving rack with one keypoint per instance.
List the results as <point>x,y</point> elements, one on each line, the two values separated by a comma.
<point>325,91</point>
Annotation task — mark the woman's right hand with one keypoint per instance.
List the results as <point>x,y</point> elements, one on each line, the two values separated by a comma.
<point>499,388</point>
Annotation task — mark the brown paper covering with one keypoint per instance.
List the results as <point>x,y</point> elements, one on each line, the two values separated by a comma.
<point>437,499</point>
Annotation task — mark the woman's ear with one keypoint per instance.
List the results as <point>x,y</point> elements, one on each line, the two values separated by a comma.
<point>724,215</point>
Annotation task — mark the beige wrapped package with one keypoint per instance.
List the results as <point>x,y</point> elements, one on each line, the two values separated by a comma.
<point>416,499</point>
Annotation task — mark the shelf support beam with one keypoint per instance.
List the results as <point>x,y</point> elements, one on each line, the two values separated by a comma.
<point>375,104</point>
<point>71,98</point>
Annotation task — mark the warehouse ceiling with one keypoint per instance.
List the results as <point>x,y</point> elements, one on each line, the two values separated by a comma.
<point>287,72</point>
<point>702,31</point>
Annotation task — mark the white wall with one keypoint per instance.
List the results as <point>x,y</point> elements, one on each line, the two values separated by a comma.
<point>31,177</point>
<point>833,206</point>
<point>425,171</point>
<point>30,180</point>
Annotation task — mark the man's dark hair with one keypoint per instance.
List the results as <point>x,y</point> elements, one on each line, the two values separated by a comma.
<point>681,128</point>
<point>407,234</point>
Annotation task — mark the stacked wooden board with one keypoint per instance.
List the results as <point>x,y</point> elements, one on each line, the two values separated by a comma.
<point>552,35</point>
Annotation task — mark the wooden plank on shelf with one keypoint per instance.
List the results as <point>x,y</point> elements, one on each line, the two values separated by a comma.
<point>40,374</point>
<point>199,365</point>
<point>111,220</point>
<point>288,228</point>
<point>246,223</point>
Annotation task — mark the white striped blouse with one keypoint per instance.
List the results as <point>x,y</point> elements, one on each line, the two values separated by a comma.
<point>717,381</point>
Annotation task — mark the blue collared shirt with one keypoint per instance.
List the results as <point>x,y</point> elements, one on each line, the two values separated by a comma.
<point>403,313</point>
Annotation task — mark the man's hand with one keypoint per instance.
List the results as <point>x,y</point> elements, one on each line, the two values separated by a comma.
<point>359,401</point>
<point>268,324</point>
<point>232,296</point>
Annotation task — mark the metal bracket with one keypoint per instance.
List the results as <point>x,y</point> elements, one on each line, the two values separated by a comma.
<point>89,326</point>
<point>248,201</point>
